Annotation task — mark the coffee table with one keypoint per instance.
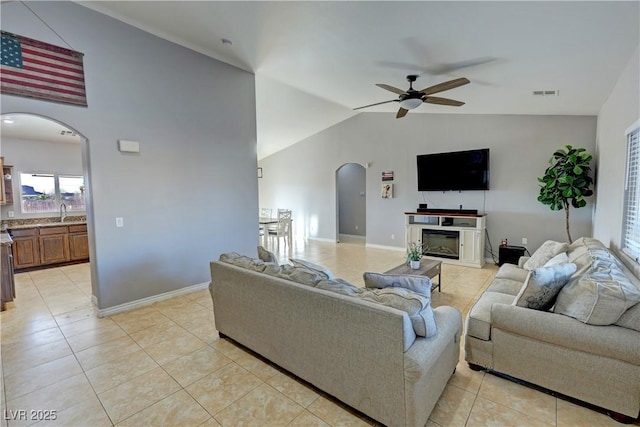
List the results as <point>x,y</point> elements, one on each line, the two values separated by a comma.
<point>428,267</point>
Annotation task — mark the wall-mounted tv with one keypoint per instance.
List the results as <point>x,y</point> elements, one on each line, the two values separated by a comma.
<point>460,170</point>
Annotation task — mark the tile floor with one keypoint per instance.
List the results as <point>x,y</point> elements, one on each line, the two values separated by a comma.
<point>164,364</point>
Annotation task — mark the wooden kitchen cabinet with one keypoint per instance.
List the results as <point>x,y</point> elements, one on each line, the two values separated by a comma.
<point>26,250</point>
<point>6,186</point>
<point>54,245</point>
<point>78,242</point>
<point>49,246</point>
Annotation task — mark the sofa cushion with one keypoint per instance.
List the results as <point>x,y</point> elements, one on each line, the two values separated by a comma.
<point>598,298</point>
<point>540,290</point>
<point>548,250</point>
<point>417,306</point>
<point>582,252</point>
<point>339,286</point>
<point>512,272</point>
<point>313,267</point>
<point>244,261</point>
<point>479,318</point>
<point>266,256</point>
<point>506,286</point>
<point>295,274</point>
<point>419,284</point>
<point>630,319</point>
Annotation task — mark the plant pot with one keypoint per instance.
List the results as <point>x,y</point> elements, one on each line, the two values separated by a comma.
<point>414,264</point>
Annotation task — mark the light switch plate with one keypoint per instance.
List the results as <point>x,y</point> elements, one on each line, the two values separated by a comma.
<point>119,222</point>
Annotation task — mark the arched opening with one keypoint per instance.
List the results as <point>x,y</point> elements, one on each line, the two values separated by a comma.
<point>351,202</point>
<point>49,181</point>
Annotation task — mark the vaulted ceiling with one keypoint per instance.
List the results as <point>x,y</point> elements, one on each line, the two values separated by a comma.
<point>316,61</point>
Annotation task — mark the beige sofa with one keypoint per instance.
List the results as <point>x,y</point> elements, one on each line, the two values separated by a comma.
<point>596,364</point>
<point>365,354</point>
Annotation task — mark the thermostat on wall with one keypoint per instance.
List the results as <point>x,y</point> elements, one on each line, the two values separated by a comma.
<point>125,146</point>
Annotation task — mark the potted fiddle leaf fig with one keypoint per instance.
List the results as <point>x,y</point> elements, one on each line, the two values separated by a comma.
<point>414,254</point>
<point>566,182</point>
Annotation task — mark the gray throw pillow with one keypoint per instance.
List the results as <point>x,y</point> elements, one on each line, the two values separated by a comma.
<point>419,284</point>
<point>548,250</point>
<point>542,286</point>
<point>313,267</point>
<point>266,256</point>
<point>417,306</point>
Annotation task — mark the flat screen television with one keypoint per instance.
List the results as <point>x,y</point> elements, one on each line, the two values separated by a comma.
<point>460,170</point>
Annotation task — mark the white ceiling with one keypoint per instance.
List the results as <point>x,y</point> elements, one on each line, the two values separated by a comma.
<point>316,61</point>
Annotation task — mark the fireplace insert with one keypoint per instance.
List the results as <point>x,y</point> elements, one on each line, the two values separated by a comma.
<point>441,243</point>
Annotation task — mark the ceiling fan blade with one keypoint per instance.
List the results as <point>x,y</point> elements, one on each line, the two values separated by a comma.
<point>391,88</point>
<point>377,103</point>
<point>401,113</point>
<point>451,84</point>
<point>443,101</point>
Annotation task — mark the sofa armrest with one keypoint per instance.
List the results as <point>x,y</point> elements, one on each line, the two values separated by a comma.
<point>522,260</point>
<point>608,341</point>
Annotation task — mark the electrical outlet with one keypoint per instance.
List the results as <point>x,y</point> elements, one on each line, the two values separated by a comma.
<point>119,222</point>
<point>524,240</point>
<point>10,214</point>
<point>356,227</point>
<point>393,237</point>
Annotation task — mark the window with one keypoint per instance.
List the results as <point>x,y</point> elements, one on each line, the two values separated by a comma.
<point>631,213</point>
<point>43,193</point>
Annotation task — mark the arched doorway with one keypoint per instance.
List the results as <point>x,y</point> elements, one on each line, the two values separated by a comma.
<point>42,149</point>
<point>351,202</point>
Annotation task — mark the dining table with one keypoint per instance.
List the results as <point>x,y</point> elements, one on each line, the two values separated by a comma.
<point>265,222</point>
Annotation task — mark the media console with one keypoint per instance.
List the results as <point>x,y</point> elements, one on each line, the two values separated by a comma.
<point>451,236</point>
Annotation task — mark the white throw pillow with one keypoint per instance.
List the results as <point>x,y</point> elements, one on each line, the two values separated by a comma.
<point>548,250</point>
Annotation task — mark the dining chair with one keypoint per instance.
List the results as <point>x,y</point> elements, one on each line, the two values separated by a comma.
<point>262,229</point>
<point>282,228</point>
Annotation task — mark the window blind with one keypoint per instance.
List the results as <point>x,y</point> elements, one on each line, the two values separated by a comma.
<point>631,213</point>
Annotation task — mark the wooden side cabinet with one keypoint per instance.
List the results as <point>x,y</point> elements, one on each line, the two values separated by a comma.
<point>26,250</point>
<point>78,242</point>
<point>54,245</point>
<point>7,285</point>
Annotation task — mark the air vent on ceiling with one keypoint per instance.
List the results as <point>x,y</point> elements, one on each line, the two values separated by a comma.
<point>64,132</point>
<point>546,93</point>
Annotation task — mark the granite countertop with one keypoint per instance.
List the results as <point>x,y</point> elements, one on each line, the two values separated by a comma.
<point>45,224</point>
<point>5,238</point>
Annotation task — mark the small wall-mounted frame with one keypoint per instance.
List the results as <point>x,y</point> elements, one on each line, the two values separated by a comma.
<point>387,176</point>
<point>126,146</point>
<point>259,172</point>
<point>387,191</point>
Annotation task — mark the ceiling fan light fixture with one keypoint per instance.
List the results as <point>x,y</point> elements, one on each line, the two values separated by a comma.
<point>410,103</point>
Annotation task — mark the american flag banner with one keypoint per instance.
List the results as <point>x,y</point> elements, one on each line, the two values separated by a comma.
<point>39,70</point>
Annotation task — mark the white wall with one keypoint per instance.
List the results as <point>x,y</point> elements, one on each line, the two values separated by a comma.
<point>38,156</point>
<point>621,110</point>
<point>191,192</point>
<point>302,176</point>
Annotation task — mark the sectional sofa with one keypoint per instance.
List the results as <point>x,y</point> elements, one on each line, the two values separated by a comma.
<point>583,343</point>
<point>362,346</point>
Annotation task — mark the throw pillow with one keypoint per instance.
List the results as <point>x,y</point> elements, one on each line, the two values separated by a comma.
<point>417,306</point>
<point>266,255</point>
<point>548,250</point>
<point>339,286</point>
<point>542,286</point>
<point>597,298</point>
<point>313,267</point>
<point>419,284</point>
<point>243,261</point>
<point>561,258</point>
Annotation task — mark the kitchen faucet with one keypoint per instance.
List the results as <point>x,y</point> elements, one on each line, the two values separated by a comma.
<point>63,215</point>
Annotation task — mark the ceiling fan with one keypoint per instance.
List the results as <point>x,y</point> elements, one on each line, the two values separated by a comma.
<point>412,98</point>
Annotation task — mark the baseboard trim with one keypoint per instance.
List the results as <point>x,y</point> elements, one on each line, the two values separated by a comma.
<point>321,239</point>
<point>389,248</point>
<point>127,306</point>
<point>353,236</point>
